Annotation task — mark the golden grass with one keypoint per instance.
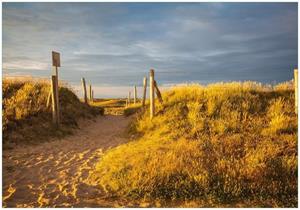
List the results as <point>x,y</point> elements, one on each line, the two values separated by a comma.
<point>26,118</point>
<point>110,106</point>
<point>227,144</point>
<point>109,102</point>
<point>117,106</point>
<point>132,109</point>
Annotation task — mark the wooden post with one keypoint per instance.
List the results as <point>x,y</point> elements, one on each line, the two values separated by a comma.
<point>84,90</point>
<point>49,98</point>
<point>152,96</point>
<point>57,94</point>
<point>90,92</point>
<point>296,89</point>
<point>158,92</point>
<point>145,90</point>
<point>55,119</point>
<point>55,64</point>
<point>126,103</point>
<point>134,95</point>
<point>92,95</point>
<point>129,98</point>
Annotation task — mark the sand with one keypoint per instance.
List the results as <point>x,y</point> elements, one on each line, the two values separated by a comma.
<point>54,174</point>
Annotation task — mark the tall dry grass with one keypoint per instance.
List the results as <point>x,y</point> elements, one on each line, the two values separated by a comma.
<point>226,143</point>
<point>25,116</point>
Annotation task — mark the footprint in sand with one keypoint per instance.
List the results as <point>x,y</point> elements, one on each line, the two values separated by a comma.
<point>54,174</point>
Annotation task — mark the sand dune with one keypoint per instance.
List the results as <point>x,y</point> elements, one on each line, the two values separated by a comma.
<point>54,174</point>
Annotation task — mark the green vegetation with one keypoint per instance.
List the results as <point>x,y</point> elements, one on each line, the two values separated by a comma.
<point>227,144</point>
<point>26,118</point>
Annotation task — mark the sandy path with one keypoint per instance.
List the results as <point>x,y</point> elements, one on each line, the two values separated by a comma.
<point>55,174</point>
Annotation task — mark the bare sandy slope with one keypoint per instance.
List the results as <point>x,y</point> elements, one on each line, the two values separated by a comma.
<point>55,174</point>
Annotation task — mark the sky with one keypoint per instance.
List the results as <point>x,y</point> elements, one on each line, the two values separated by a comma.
<point>114,45</point>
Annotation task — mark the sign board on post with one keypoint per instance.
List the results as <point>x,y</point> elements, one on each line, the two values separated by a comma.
<point>55,59</point>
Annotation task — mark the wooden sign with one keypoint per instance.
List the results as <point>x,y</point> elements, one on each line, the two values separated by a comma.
<point>55,59</point>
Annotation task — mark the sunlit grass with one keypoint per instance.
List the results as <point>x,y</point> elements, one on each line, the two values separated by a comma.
<point>227,143</point>
<point>109,102</point>
<point>117,106</point>
<point>26,117</point>
<point>132,108</point>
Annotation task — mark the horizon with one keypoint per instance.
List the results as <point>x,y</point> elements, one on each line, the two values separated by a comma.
<point>121,92</point>
<point>115,44</point>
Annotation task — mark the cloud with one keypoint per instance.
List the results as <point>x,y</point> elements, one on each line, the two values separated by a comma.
<point>117,43</point>
<point>26,65</point>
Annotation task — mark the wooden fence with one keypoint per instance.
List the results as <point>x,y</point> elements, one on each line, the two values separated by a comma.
<point>153,90</point>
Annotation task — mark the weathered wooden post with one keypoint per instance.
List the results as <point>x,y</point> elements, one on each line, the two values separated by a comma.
<point>145,90</point>
<point>84,90</point>
<point>134,95</point>
<point>92,95</point>
<point>90,92</point>
<point>126,103</point>
<point>296,89</point>
<point>129,98</point>
<point>54,100</point>
<point>56,64</point>
<point>158,92</point>
<point>49,97</point>
<point>152,96</point>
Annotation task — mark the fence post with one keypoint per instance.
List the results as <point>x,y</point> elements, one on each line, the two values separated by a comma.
<point>57,95</point>
<point>129,98</point>
<point>158,92</point>
<point>134,95</point>
<point>55,64</point>
<point>84,90</point>
<point>90,92</point>
<point>296,89</point>
<point>145,90</point>
<point>54,100</point>
<point>49,97</point>
<point>92,95</point>
<point>152,96</point>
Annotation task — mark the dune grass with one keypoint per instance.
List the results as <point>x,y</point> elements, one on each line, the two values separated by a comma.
<point>106,103</point>
<point>111,106</point>
<point>27,119</point>
<point>132,109</point>
<point>227,144</point>
<point>117,106</point>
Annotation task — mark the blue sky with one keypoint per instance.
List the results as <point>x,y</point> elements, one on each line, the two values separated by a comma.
<point>115,44</point>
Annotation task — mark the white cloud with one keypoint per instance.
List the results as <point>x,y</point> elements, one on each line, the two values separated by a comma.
<point>25,65</point>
